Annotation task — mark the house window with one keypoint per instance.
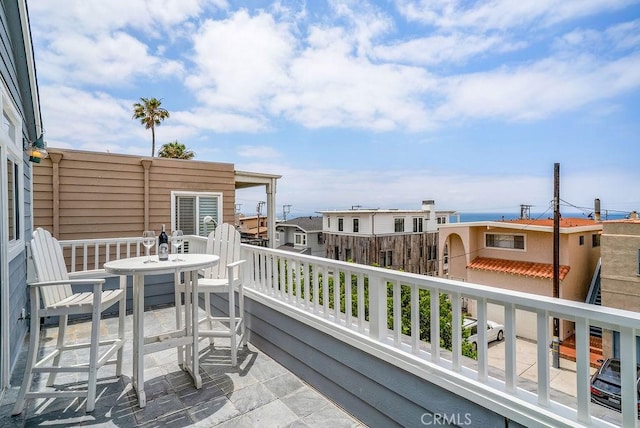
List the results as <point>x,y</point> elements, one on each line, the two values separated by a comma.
<point>386,258</point>
<point>442,220</point>
<point>581,239</point>
<point>347,254</point>
<point>320,238</point>
<point>356,225</point>
<point>12,196</point>
<point>408,253</point>
<point>190,209</point>
<point>300,238</point>
<point>595,240</point>
<point>340,224</point>
<point>328,222</point>
<point>498,240</point>
<point>277,235</point>
<point>398,225</point>
<point>417,224</point>
<point>13,201</point>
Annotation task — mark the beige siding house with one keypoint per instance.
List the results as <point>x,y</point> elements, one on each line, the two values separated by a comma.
<point>518,255</point>
<point>620,275</point>
<point>80,195</point>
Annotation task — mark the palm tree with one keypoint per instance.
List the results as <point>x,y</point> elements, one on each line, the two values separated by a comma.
<point>175,150</point>
<point>151,115</point>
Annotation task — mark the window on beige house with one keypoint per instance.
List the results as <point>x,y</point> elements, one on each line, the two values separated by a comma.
<point>191,209</point>
<point>503,240</point>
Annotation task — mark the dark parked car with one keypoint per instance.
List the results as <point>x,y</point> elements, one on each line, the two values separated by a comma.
<point>605,384</point>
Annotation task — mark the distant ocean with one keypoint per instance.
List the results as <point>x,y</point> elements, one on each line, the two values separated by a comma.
<point>467,217</point>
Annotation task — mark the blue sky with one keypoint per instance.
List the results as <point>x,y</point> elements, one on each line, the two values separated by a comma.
<point>374,103</point>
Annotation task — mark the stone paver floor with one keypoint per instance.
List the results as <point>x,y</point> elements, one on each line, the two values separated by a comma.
<point>259,392</point>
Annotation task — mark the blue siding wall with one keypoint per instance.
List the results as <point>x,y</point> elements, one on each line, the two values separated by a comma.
<point>14,71</point>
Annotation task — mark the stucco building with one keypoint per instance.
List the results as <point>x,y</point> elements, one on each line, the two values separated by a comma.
<point>518,255</point>
<point>620,273</point>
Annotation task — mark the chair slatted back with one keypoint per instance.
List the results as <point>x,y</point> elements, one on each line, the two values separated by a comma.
<point>225,243</point>
<point>50,266</point>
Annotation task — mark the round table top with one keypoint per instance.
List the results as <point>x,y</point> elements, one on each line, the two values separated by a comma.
<point>137,265</point>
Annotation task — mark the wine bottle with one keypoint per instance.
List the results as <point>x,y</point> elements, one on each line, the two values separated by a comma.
<point>163,245</point>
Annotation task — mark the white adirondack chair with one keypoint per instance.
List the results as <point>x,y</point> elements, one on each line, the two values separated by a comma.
<point>224,278</point>
<point>52,295</point>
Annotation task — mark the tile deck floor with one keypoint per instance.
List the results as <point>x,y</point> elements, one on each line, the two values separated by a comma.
<point>258,393</point>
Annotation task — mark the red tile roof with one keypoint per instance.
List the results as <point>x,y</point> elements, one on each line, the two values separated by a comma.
<point>564,222</point>
<point>515,267</point>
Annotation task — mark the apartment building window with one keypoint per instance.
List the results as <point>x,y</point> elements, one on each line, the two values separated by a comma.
<point>386,258</point>
<point>190,209</point>
<point>417,224</point>
<point>347,254</point>
<point>595,240</point>
<point>300,239</point>
<point>506,241</point>
<point>356,225</point>
<point>398,225</point>
<point>581,240</point>
<point>340,224</point>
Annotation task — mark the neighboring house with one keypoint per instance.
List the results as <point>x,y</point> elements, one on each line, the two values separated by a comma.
<point>518,255</point>
<point>253,227</point>
<point>620,274</point>
<point>397,239</point>
<point>81,195</point>
<point>22,126</point>
<point>303,235</point>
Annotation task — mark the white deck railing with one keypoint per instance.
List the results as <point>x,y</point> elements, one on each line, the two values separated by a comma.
<point>305,283</point>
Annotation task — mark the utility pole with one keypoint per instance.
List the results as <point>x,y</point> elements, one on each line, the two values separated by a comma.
<point>285,210</point>
<point>259,211</point>
<point>556,261</point>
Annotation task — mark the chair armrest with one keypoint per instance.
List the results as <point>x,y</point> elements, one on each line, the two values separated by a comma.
<point>68,281</point>
<point>236,263</point>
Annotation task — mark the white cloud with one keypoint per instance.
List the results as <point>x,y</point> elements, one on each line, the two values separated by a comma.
<point>405,189</point>
<point>111,60</point>
<point>74,115</point>
<point>101,17</point>
<point>538,90</point>
<point>241,61</point>
<point>502,14</point>
<point>260,152</point>
<point>451,48</point>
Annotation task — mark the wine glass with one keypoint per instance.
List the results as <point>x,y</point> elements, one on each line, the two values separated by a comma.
<point>177,239</point>
<point>148,240</point>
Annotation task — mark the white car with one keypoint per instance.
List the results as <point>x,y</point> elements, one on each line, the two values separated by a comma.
<point>495,331</point>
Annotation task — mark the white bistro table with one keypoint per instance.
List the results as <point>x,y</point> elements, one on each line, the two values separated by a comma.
<point>183,337</point>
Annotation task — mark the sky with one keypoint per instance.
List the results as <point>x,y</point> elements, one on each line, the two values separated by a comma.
<point>379,104</point>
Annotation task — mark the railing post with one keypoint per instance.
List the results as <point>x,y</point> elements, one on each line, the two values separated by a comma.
<point>542,326</point>
<point>377,308</point>
<point>434,338</point>
<point>628,376</point>
<point>583,373</point>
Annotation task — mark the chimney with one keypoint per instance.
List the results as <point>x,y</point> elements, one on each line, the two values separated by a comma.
<point>427,205</point>
<point>597,209</point>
